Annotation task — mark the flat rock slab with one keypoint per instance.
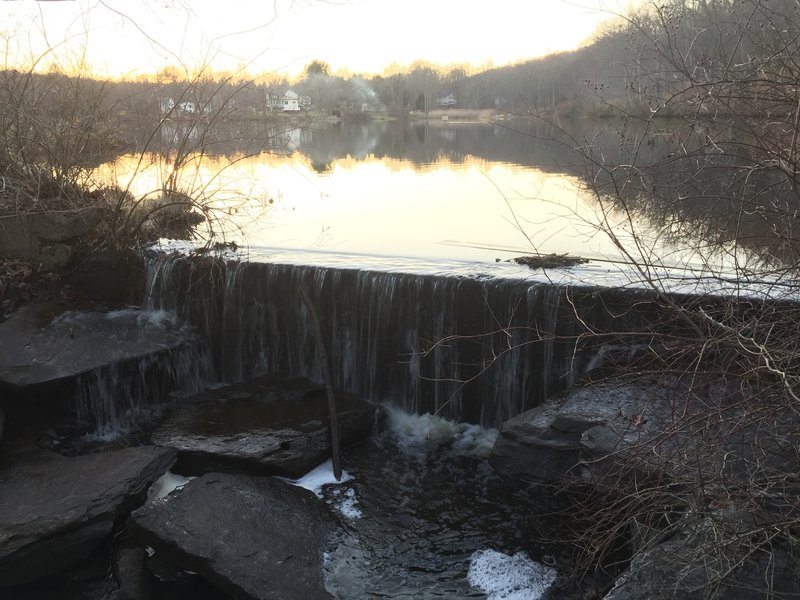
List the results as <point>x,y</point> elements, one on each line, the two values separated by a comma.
<point>55,510</point>
<point>267,426</point>
<point>41,345</point>
<point>252,537</point>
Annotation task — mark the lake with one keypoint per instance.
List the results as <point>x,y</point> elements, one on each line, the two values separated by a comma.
<point>417,191</point>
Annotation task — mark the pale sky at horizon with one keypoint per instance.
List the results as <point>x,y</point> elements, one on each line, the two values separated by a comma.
<point>282,36</point>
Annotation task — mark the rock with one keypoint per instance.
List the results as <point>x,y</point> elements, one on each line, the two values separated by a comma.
<point>269,426</point>
<point>589,423</point>
<point>252,537</point>
<point>42,344</point>
<point>115,277</point>
<point>647,426</point>
<point>705,472</point>
<point>47,238</point>
<point>692,564</point>
<point>529,448</point>
<point>130,572</point>
<point>54,510</point>
<point>57,365</point>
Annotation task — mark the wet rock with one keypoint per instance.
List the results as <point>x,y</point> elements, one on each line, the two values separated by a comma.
<point>57,365</point>
<point>115,277</point>
<point>251,537</point>
<point>268,425</point>
<point>55,510</point>
<point>130,572</point>
<point>43,344</point>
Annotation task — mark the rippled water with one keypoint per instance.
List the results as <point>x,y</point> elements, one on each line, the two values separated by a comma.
<point>427,517</point>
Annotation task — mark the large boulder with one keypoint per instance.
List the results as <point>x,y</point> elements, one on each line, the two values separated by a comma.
<point>55,510</point>
<point>697,474</point>
<point>590,424</point>
<point>252,537</point>
<point>666,428</point>
<point>269,426</point>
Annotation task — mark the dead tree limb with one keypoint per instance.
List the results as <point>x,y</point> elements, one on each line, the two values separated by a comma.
<point>326,375</point>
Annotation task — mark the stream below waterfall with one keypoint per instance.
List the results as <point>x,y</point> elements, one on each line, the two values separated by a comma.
<point>426,517</point>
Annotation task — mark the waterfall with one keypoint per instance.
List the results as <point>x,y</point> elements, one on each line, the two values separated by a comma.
<point>473,349</point>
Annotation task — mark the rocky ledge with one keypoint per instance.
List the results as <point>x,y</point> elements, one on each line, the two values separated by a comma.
<point>711,470</point>
<point>252,537</point>
<point>268,426</point>
<point>55,510</point>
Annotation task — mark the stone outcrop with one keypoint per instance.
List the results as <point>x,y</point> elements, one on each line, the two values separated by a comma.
<point>55,510</point>
<point>717,460</point>
<point>252,537</point>
<point>599,422</point>
<point>48,238</point>
<point>269,425</point>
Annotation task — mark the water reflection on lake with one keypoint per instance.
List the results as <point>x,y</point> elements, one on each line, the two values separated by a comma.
<point>465,192</point>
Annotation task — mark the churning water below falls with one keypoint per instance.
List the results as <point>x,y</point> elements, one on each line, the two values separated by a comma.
<point>426,517</point>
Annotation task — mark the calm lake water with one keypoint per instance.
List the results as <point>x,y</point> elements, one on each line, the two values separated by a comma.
<point>423,191</point>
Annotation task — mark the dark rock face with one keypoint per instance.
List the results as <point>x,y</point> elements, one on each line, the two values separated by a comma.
<point>92,366</point>
<point>269,425</point>
<point>588,423</point>
<point>55,510</point>
<point>251,537</point>
<point>115,277</point>
<point>645,426</point>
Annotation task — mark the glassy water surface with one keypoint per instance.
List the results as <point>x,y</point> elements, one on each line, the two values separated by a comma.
<point>421,191</point>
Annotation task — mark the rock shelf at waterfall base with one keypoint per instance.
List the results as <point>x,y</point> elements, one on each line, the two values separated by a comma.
<point>253,537</point>
<point>89,368</point>
<point>269,426</point>
<point>55,510</point>
<point>44,344</point>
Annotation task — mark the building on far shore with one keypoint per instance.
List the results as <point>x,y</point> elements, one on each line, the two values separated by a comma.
<point>288,101</point>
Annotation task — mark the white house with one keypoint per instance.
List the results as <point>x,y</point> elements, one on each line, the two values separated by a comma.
<point>289,101</point>
<point>448,101</point>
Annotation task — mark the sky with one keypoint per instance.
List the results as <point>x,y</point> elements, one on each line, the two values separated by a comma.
<point>124,38</point>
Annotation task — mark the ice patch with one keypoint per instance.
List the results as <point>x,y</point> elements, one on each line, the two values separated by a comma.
<point>504,577</point>
<point>319,476</point>
<point>165,485</point>
<point>342,499</point>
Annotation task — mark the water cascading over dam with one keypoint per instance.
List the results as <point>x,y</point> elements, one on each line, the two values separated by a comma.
<point>475,349</point>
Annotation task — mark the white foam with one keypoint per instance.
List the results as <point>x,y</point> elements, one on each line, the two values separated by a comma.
<point>504,577</point>
<point>346,502</point>
<point>415,432</point>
